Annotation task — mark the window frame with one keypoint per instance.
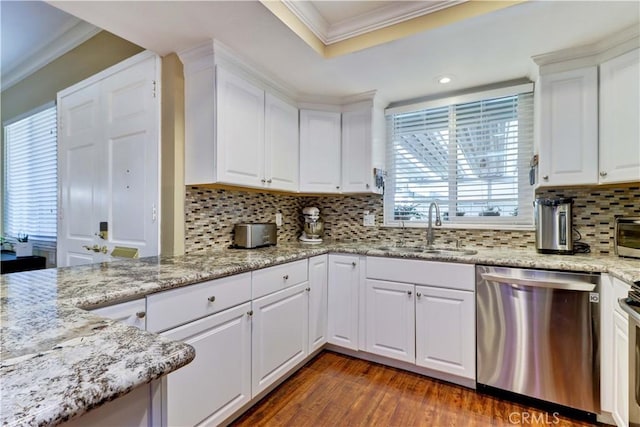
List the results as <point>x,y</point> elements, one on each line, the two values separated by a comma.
<point>467,222</point>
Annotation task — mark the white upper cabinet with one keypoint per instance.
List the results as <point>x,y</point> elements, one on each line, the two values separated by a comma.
<point>569,127</point>
<point>320,151</point>
<point>240,130</point>
<point>236,132</point>
<point>619,123</point>
<point>281,144</point>
<point>362,149</point>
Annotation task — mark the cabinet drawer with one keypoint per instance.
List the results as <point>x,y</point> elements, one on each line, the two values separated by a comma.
<point>431,273</point>
<point>130,313</point>
<point>278,277</point>
<point>168,309</point>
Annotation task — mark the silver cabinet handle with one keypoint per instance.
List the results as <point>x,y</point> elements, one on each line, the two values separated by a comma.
<point>285,277</point>
<point>211,298</point>
<point>353,264</point>
<point>603,174</point>
<point>140,314</point>
<point>546,177</point>
<point>409,293</point>
<point>418,294</point>
<point>250,313</point>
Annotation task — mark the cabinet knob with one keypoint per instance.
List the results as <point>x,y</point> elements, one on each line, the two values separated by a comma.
<point>409,293</point>
<point>263,180</point>
<point>418,294</point>
<point>211,298</point>
<point>269,181</point>
<point>353,264</point>
<point>308,289</point>
<point>367,185</point>
<point>140,314</point>
<point>285,277</point>
<point>603,174</point>
<point>546,177</point>
<point>250,313</point>
<point>337,187</point>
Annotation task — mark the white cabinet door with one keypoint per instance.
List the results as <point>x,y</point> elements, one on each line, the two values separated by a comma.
<point>619,112</point>
<point>280,335</point>
<point>318,271</point>
<point>281,145</point>
<point>363,148</point>
<point>218,381</point>
<point>240,131</point>
<point>108,162</point>
<point>445,330</point>
<point>343,300</point>
<point>390,319</point>
<point>357,170</point>
<point>320,151</point>
<point>569,128</point>
<point>620,370</point>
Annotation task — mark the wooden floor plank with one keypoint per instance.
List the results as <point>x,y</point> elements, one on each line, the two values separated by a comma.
<point>337,390</point>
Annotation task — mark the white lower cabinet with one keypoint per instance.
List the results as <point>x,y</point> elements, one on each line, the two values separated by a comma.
<point>134,408</point>
<point>445,330</point>
<point>390,320</point>
<point>423,313</point>
<point>280,334</point>
<point>317,302</point>
<point>620,369</point>
<point>343,300</point>
<point>218,381</point>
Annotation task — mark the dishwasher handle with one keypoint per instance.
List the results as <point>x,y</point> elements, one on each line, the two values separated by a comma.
<point>541,283</point>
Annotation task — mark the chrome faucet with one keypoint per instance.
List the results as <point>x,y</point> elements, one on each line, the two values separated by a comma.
<point>430,236</point>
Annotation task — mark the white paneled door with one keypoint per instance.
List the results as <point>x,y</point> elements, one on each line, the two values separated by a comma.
<point>108,163</point>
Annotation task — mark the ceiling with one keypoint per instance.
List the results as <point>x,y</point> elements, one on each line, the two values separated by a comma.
<point>35,33</point>
<point>480,50</point>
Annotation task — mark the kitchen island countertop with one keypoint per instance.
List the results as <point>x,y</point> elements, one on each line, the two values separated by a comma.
<point>58,360</point>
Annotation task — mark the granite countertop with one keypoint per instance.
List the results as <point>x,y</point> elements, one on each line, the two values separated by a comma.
<point>58,360</point>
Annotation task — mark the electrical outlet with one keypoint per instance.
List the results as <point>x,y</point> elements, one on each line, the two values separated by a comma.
<point>278,219</point>
<point>369,220</point>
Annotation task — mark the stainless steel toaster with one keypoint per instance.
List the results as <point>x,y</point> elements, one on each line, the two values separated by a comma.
<point>254,235</point>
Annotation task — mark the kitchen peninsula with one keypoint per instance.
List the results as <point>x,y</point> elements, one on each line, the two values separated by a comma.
<point>59,360</point>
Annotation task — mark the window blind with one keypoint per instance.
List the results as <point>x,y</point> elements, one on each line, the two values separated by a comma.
<point>30,202</point>
<point>472,158</point>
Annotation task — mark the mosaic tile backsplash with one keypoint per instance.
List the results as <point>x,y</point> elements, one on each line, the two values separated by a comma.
<point>211,213</point>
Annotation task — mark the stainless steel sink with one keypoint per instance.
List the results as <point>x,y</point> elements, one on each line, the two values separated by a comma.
<point>426,250</point>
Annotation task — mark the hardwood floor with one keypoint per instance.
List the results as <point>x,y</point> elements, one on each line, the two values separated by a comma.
<point>337,390</point>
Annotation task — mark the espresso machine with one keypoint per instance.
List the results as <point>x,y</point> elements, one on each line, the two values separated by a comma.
<point>313,226</point>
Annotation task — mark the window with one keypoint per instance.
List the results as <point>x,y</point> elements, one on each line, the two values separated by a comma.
<point>472,158</point>
<point>30,193</point>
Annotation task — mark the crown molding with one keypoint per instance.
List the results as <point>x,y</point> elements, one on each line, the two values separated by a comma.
<point>591,54</point>
<point>376,19</point>
<point>73,37</point>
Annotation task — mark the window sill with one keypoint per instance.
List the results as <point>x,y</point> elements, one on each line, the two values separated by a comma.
<point>465,226</point>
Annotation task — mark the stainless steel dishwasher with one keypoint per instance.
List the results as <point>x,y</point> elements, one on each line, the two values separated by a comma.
<point>538,334</point>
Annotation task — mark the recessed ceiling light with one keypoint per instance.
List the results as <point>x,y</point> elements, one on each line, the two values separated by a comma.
<point>443,80</point>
